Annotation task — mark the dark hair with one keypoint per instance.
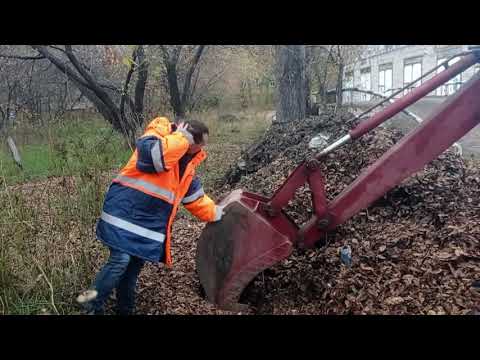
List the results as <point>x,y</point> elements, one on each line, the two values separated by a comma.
<point>197,129</point>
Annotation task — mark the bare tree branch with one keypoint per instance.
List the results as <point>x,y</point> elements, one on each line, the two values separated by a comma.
<point>18,57</point>
<point>102,95</point>
<point>188,79</point>
<point>73,59</point>
<point>127,82</point>
<point>82,85</point>
<point>170,62</point>
<point>202,91</point>
<point>57,48</point>
<point>3,116</point>
<point>176,53</point>
<point>60,65</point>
<point>141,81</point>
<point>164,52</point>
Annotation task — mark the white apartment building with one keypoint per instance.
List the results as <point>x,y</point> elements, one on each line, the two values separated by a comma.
<point>386,68</point>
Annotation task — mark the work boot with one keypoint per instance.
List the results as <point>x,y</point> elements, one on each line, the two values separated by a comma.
<point>87,296</point>
<point>85,301</point>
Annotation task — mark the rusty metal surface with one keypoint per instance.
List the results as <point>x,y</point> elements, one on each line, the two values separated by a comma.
<point>232,252</point>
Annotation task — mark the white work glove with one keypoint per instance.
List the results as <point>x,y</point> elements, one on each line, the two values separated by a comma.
<point>183,129</point>
<point>219,212</point>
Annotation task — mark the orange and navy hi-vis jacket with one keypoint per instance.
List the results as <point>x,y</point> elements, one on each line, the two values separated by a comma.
<point>143,199</point>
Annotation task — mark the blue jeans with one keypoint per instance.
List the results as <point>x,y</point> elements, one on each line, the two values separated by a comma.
<point>121,273</point>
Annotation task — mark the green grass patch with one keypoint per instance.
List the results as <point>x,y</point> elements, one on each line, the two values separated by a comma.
<point>66,149</point>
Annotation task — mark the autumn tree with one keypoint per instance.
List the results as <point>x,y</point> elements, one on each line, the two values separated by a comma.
<point>291,82</point>
<point>111,98</point>
<point>180,63</point>
<point>343,55</point>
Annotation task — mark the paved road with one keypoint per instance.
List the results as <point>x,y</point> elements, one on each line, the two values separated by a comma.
<point>423,108</point>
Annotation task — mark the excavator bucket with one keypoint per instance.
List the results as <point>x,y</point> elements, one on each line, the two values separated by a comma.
<point>231,252</point>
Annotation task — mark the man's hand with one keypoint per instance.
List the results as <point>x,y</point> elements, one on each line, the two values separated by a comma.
<point>183,128</point>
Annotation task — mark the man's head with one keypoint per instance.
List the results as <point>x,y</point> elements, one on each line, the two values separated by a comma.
<point>199,132</point>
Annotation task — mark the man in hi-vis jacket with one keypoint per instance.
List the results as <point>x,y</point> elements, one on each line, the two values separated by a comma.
<point>141,204</point>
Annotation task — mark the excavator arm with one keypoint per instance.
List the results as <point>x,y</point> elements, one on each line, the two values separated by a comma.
<point>255,233</point>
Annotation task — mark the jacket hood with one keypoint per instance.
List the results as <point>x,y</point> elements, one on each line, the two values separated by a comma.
<point>160,125</point>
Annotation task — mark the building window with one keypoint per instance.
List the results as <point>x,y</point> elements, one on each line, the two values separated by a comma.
<point>385,79</point>
<point>365,83</point>
<point>451,85</point>
<point>412,70</point>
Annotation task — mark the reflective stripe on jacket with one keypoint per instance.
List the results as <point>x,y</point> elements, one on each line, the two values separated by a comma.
<point>143,199</point>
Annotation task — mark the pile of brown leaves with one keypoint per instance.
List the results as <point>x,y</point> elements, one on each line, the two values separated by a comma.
<point>175,290</point>
<point>414,251</point>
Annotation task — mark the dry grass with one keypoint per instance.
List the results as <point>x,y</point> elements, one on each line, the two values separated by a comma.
<point>48,250</point>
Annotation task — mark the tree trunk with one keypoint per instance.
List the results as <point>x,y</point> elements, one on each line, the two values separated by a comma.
<point>310,106</point>
<point>339,85</point>
<point>291,80</point>
<point>175,98</point>
<point>187,86</point>
<point>2,118</point>
<point>93,90</point>
<point>141,84</point>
